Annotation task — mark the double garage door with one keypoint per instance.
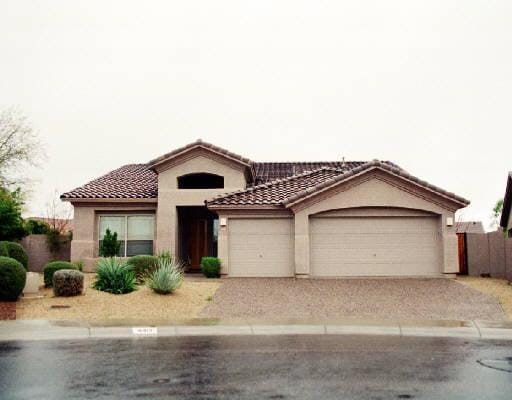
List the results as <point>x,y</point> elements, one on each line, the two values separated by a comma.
<point>339,246</point>
<point>374,246</point>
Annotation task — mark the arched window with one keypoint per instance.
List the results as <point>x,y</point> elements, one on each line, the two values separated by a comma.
<point>201,181</point>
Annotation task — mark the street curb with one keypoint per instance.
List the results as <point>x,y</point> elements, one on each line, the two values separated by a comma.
<point>59,330</point>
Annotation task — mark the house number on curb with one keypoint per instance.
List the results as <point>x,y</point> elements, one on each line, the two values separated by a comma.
<point>144,330</point>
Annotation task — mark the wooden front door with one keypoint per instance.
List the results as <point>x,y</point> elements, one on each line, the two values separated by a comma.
<point>197,242</point>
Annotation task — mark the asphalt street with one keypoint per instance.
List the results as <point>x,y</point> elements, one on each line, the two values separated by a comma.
<point>257,367</point>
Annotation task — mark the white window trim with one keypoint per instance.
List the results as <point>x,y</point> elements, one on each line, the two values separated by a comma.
<point>125,240</point>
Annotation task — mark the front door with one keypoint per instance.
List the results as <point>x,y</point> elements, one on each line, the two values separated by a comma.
<point>197,242</point>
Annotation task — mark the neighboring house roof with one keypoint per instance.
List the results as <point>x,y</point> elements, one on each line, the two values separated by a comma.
<point>469,227</point>
<point>507,202</point>
<point>296,188</point>
<point>132,181</point>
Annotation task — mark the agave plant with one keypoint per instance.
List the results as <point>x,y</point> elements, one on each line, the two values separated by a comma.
<point>167,277</point>
<point>114,276</point>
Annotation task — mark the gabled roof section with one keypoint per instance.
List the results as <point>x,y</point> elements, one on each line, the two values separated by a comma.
<point>375,164</point>
<point>132,181</point>
<point>275,192</point>
<point>199,144</point>
<point>507,202</point>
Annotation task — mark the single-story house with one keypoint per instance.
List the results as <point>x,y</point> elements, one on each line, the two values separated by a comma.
<point>506,214</point>
<point>271,219</point>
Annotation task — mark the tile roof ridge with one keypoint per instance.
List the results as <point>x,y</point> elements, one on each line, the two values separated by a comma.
<point>198,143</point>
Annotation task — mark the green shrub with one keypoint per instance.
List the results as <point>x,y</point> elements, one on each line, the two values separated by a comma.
<point>167,277</point>
<point>12,278</point>
<point>54,266</point>
<point>68,282</point>
<point>210,266</point>
<point>16,251</point>
<point>4,251</point>
<point>35,227</point>
<point>142,265</point>
<point>110,246</point>
<point>114,276</point>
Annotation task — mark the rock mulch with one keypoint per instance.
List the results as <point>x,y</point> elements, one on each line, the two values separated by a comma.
<point>7,310</point>
<point>383,299</point>
<point>142,304</point>
<point>498,288</point>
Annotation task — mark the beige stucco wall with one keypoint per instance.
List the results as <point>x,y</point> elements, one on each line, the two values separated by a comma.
<point>170,197</point>
<point>377,190</point>
<point>84,246</point>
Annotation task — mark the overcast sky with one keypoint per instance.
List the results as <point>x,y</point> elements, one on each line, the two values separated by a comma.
<point>426,84</point>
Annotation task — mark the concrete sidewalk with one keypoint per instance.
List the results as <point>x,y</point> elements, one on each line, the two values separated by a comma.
<point>54,330</point>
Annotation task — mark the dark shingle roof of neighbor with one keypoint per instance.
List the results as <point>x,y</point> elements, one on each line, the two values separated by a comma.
<point>469,227</point>
<point>507,202</point>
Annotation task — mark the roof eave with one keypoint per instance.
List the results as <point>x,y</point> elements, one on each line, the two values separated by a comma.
<point>507,203</point>
<point>109,199</point>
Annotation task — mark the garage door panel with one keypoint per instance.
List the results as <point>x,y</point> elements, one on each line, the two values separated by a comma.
<point>261,247</point>
<point>378,246</point>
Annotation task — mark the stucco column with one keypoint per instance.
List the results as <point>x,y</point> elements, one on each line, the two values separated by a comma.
<point>166,226</point>
<point>302,258</point>
<point>83,243</point>
<point>223,245</point>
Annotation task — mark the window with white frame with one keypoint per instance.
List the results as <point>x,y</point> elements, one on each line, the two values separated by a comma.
<point>135,232</point>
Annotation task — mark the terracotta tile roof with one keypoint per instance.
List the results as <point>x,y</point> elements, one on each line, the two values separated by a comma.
<point>132,181</point>
<point>294,189</point>
<point>277,191</point>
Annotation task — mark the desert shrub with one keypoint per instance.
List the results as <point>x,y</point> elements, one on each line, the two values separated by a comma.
<point>114,276</point>
<point>12,226</point>
<point>16,251</point>
<point>142,265</point>
<point>68,282</point>
<point>110,246</point>
<point>54,266</point>
<point>79,264</point>
<point>35,227</point>
<point>210,266</point>
<point>12,278</point>
<point>167,277</point>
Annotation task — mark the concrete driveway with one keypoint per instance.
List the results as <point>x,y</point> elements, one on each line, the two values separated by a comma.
<point>389,299</point>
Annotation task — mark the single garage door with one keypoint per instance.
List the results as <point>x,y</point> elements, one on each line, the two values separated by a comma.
<point>375,246</point>
<point>261,247</point>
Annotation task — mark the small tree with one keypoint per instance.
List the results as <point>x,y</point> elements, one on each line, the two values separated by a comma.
<point>18,147</point>
<point>496,213</point>
<point>110,246</point>
<point>11,223</point>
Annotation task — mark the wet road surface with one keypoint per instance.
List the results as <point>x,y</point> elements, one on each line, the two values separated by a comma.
<point>257,367</point>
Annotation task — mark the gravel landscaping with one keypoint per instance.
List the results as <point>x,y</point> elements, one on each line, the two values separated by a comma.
<point>498,288</point>
<point>143,303</point>
<point>390,299</point>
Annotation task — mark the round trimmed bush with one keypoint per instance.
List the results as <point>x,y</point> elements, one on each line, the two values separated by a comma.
<point>16,251</point>
<point>4,252</point>
<point>12,278</point>
<point>210,266</point>
<point>142,265</point>
<point>53,267</point>
<point>68,282</point>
